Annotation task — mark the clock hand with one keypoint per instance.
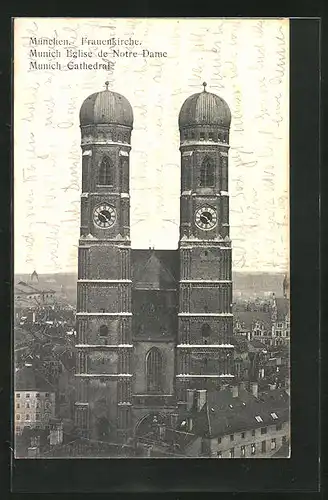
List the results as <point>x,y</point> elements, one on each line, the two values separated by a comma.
<point>206,221</point>
<point>104,218</point>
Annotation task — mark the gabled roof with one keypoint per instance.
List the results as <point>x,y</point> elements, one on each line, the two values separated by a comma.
<point>26,288</point>
<point>29,379</point>
<point>225,414</point>
<point>248,319</point>
<point>257,344</point>
<point>154,269</point>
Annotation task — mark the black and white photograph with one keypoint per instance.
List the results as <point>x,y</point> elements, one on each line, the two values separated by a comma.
<point>151,217</point>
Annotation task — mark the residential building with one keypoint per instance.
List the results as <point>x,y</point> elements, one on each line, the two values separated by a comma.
<point>231,423</point>
<point>34,400</point>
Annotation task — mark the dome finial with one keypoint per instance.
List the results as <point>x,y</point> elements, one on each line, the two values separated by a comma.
<point>107,83</point>
<point>204,85</point>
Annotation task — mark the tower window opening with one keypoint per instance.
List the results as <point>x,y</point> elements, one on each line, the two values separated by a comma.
<point>206,332</point>
<point>207,173</point>
<point>154,370</point>
<point>202,136</point>
<point>105,177</point>
<point>103,331</point>
<point>211,136</point>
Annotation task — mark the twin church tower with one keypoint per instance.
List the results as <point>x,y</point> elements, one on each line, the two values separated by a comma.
<point>151,324</point>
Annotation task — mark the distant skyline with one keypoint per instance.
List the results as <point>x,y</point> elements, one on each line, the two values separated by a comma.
<point>243,61</point>
<point>239,271</point>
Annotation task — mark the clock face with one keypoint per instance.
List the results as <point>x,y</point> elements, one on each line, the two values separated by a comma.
<point>104,216</point>
<point>206,218</point>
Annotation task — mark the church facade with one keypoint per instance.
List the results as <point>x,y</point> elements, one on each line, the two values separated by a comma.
<point>151,324</point>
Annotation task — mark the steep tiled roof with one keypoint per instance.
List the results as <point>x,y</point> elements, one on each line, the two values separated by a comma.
<point>26,288</point>
<point>256,344</point>
<point>226,414</point>
<point>248,319</point>
<point>155,269</point>
<point>27,378</point>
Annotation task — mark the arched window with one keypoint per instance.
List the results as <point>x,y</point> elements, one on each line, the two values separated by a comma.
<point>206,333</point>
<point>154,370</point>
<point>103,331</point>
<point>207,173</point>
<point>105,177</point>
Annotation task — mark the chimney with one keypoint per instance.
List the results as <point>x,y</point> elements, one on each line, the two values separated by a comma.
<point>190,399</point>
<point>200,398</point>
<point>174,419</point>
<point>56,435</point>
<point>234,391</point>
<point>254,388</point>
<point>162,431</point>
<point>242,386</point>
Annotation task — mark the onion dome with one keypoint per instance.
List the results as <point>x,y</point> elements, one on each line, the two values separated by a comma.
<point>204,108</point>
<point>106,107</point>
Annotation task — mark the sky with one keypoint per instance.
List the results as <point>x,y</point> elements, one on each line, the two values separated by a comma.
<point>245,61</point>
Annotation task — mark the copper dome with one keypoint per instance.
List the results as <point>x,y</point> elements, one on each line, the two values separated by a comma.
<point>106,107</point>
<point>204,108</point>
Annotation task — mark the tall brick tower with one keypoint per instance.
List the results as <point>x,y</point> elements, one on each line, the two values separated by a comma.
<point>204,347</point>
<point>104,337</point>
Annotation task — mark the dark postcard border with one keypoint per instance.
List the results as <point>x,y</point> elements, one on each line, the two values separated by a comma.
<point>300,473</point>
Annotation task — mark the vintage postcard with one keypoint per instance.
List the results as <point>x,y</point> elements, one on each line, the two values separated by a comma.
<point>151,215</point>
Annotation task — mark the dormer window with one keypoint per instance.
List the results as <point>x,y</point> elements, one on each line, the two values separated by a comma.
<point>258,418</point>
<point>274,415</point>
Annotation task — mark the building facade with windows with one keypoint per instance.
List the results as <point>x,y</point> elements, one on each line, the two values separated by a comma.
<point>230,423</point>
<point>151,324</point>
<point>270,325</point>
<point>35,401</point>
<point>281,321</point>
<point>237,423</point>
